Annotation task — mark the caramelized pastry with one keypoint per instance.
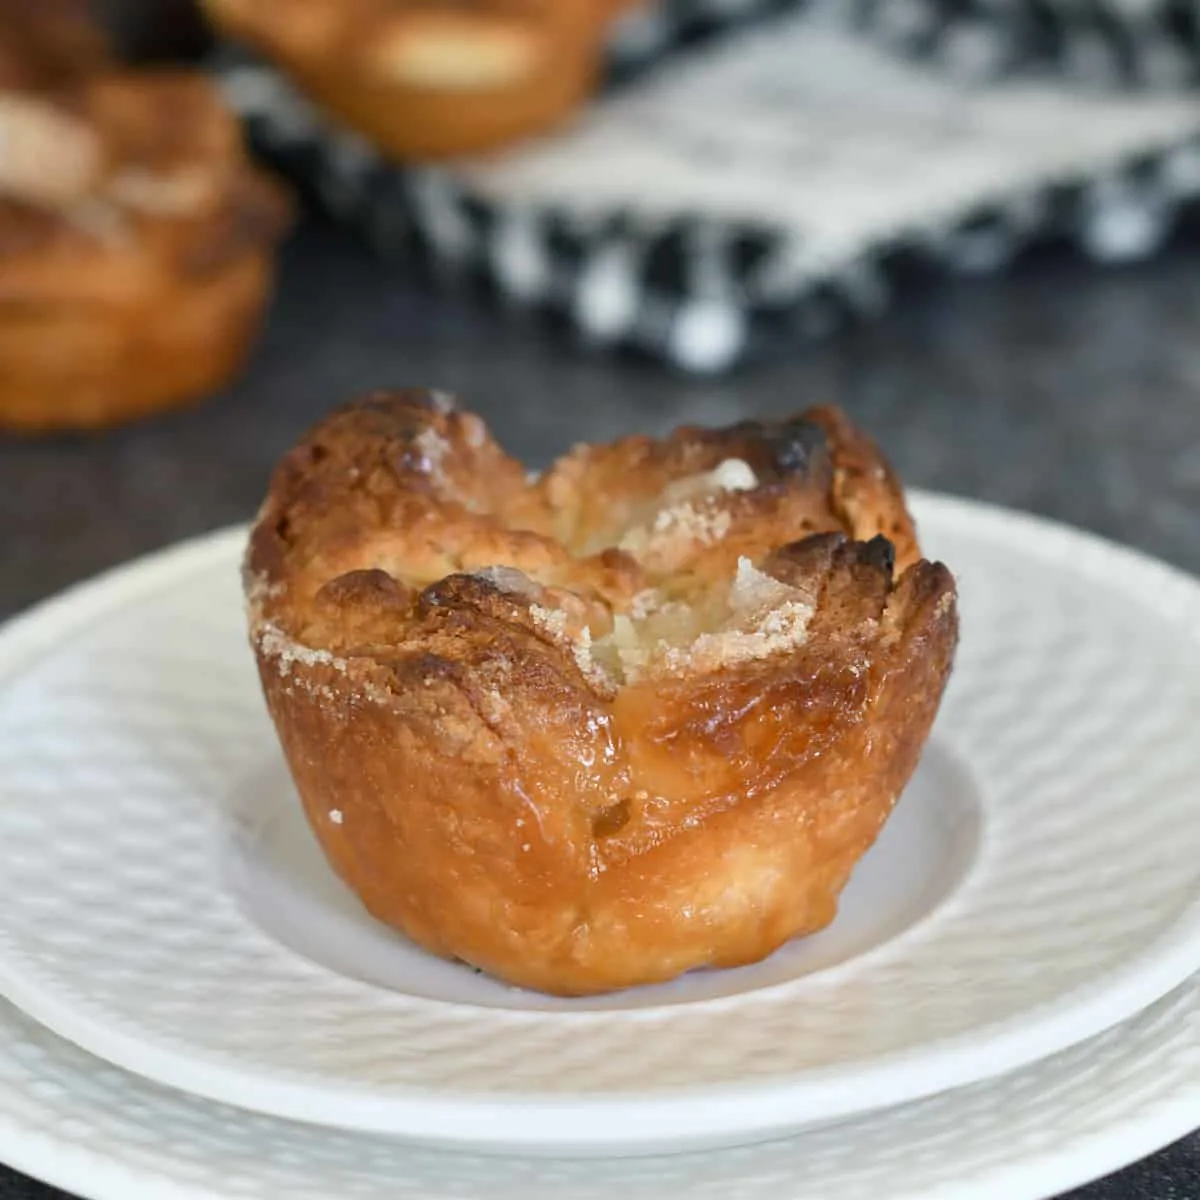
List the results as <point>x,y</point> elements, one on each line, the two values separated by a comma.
<point>639,715</point>
<point>422,79</point>
<point>136,248</point>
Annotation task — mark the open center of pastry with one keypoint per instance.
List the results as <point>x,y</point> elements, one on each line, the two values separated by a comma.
<point>642,559</point>
<point>691,614</point>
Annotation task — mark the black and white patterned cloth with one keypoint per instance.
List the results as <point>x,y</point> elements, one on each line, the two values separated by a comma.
<point>1092,43</point>
<point>758,171</point>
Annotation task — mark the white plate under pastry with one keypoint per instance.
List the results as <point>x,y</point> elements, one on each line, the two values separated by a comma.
<point>162,906</point>
<point>105,1134</point>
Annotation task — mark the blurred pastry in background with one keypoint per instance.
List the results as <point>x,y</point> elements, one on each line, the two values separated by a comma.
<point>44,43</point>
<point>425,80</point>
<point>137,247</point>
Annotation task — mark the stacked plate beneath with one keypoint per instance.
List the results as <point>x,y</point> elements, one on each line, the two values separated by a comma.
<point>163,907</point>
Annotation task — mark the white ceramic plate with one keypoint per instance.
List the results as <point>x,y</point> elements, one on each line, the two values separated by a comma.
<point>105,1134</point>
<point>1040,883</point>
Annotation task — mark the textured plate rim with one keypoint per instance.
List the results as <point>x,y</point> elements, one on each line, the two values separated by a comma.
<point>1157,1120</point>
<point>719,1113</point>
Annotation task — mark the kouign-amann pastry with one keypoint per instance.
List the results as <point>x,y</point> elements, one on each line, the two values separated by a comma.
<point>423,79</point>
<point>641,714</point>
<point>136,248</point>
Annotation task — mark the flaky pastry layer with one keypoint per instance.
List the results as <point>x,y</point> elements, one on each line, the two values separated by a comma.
<point>636,715</point>
<point>137,244</point>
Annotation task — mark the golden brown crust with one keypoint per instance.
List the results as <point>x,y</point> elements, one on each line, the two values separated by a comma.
<point>640,715</point>
<point>423,80</point>
<point>69,368</point>
<point>133,277</point>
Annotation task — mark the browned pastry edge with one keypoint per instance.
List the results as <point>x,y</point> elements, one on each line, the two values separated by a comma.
<point>148,293</point>
<point>177,196</point>
<point>480,781</point>
<point>83,369</point>
<point>364,63</point>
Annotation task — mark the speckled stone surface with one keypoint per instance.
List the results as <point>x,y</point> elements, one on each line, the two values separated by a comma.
<point>1061,390</point>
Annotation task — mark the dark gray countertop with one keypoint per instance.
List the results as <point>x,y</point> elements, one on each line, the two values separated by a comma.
<point>1062,390</point>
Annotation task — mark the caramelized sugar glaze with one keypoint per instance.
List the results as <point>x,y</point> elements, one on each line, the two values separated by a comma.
<point>638,715</point>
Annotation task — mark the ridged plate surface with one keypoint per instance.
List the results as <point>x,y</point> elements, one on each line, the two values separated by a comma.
<point>131,729</point>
